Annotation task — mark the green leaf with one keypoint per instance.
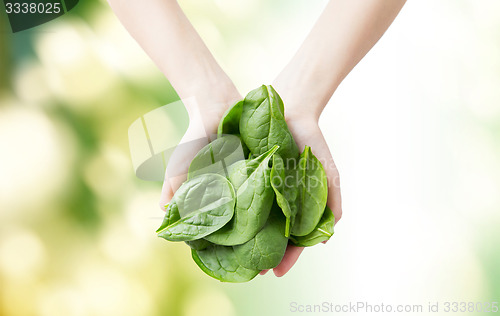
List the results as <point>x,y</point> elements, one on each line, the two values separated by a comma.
<point>171,215</point>
<point>322,232</point>
<point>254,198</point>
<point>198,244</point>
<point>226,211</point>
<point>290,190</point>
<point>230,122</point>
<point>263,125</point>
<point>278,183</point>
<point>312,192</point>
<point>216,156</point>
<point>220,263</point>
<point>205,204</point>
<point>267,248</point>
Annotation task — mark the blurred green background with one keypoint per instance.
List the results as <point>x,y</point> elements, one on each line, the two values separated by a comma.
<point>414,129</point>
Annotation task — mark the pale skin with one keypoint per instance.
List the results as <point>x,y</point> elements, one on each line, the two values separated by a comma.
<point>342,36</point>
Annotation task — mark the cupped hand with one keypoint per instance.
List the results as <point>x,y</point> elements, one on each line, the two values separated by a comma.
<point>305,129</point>
<point>204,119</point>
<point>204,115</point>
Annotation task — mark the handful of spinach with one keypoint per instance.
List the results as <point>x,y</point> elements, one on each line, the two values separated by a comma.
<point>238,215</point>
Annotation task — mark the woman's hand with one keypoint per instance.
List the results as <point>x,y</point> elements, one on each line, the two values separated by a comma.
<point>166,35</point>
<point>343,34</point>
<point>306,131</point>
<point>204,113</point>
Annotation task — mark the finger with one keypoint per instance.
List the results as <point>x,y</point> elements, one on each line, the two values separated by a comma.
<point>292,253</point>
<point>311,135</point>
<point>166,193</point>
<point>178,164</point>
<point>263,272</point>
<point>322,152</point>
<point>334,200</point>
<point>180,160</point>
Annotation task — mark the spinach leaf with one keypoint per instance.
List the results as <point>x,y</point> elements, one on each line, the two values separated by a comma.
<point>198,244</point>
<point>267,248</point>
<point>263,125</point>
<point>290,190</point>
<point>226,210</point>
<point>312,193</point>
<point>205,204</point>
<point>322,232</point>
<point>216,156</point>
<point>171,215</point>
<point>254,198</point>
<point>230,122</point>
<point>220,263</point>
<point>278,182</point>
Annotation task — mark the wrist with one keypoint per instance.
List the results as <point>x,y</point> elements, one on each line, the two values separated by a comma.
<point>206,103</point>
<point>299,104</point>
<point>305,123</point>
<point>216,87</point>
<point>306,85</point>
<point>304,97</point>
<point>304,130</point>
